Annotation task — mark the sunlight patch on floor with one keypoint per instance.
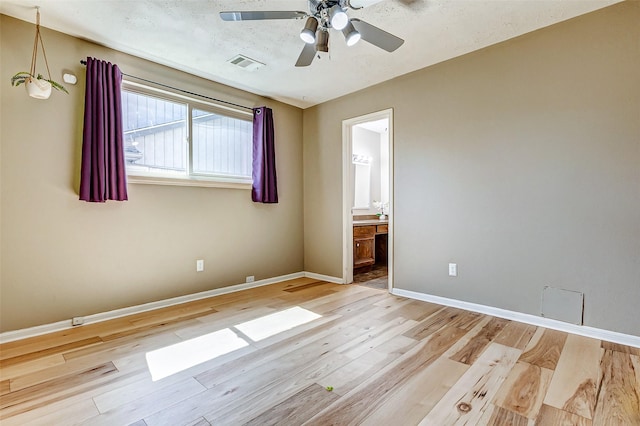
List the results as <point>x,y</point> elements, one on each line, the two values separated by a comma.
<point>272,324</point>
<point>178,357</point>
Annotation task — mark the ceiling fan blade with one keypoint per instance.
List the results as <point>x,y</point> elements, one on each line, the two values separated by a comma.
<point>376,36</point>
<point>261,15</point>
<point>307,55</point>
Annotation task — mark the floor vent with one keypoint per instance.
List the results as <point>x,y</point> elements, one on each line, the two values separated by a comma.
<point>245,63</point>
<point>562,305</point>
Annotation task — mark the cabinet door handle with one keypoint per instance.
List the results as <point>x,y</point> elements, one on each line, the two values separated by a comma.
<point>357,244</point>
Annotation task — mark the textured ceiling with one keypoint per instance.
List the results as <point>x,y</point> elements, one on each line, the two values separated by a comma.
<point>190,36</point>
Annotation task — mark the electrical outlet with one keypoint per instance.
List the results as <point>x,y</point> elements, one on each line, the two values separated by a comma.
<point>77,321</point>
<point>199,265</point>
<point>250,279</point>
<point>453,269</point>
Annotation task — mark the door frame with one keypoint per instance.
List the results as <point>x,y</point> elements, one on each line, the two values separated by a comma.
<point>348,189</point>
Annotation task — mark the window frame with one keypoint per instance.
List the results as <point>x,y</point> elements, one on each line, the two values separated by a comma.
<point>190,178</point>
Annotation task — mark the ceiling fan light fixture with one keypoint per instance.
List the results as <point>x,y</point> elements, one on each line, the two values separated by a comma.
<point>322,40</point>
<point>338,17</point>
<point>308,33</point>
<point>351,35</point>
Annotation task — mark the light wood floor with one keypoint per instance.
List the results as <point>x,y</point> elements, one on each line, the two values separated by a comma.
<point>387,361</point>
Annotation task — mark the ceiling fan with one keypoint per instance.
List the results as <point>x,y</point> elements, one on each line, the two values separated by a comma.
<point>322,16</point>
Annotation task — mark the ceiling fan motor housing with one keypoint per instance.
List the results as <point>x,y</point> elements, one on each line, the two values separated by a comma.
<point>320,10</point>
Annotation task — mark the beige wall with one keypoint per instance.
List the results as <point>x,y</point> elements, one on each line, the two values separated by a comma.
<point>519,162</point>
<point>62,257</point>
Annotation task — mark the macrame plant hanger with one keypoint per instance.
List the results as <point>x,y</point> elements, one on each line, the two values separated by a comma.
<point>34,55</point>
<point>37,86</point>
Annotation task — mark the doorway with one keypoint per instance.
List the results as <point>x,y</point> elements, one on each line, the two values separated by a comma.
<point>368,199</point>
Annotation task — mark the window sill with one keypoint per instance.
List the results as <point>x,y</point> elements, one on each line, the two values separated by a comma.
<point>192,181</point>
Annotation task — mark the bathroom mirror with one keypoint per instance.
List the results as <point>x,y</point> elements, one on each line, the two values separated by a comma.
<point>362,193</point>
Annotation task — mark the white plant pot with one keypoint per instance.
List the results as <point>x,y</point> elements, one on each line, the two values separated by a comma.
<point>39,89</point>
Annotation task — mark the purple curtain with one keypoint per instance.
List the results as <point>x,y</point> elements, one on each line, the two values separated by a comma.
<point>103,175</point>
<point>265,188</point>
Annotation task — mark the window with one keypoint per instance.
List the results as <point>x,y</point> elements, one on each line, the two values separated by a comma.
<point>173,139</point>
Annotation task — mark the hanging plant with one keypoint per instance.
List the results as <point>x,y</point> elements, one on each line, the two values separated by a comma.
<point>37,86</point>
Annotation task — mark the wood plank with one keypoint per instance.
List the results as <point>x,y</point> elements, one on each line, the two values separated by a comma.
<point>445,317</point>
<point>60,349</point>
<point>114,349</point>
<point>360,403</point>
<point>213,323</point>
<point>524,390</point>
<point>296,409</point>
<point>635,360</point>
<point>147,404</point>
<point>619,396</point>
<point>351,375</point>
<point>31,366</point>
<point>78,411</point>
<point>415,310</point>
<point>552,416</point>
<point>5,387</point>
<point>620,348</point>
<point>467,399</point>
<point>472,350</point>
<point>262,382</point>
<point>363,303</point>
<point>461,343</point>
<point>154,327</point>
<point>498,416</point>
<point>324,304</point>
<point>299,287</point>
<point>304,347</point>
<point>197,422</point>
<point>51,340</point>
<point>247,401</point>
<point>112,399</point>
<point>544,348</point>
<point>53,390</point>
<point>577,378</point>
<point>299,297</point>
<point>516,334</point>
<point>239,401</point>
<point>413,401</point>
<point>366,342</point>
<point>43,407</point>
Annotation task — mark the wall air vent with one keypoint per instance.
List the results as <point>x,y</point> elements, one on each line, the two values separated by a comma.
<point>245,63</point>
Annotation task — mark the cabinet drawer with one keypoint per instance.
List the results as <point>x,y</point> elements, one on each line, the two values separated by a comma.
<point>364,231</point>
<point>382,229</point>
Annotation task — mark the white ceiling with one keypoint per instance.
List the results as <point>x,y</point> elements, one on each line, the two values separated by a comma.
<point>190,36</point>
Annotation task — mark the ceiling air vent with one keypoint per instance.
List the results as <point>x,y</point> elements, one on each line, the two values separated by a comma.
<point>245,63</point>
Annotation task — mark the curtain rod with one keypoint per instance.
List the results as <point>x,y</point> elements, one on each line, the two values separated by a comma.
<point>83,62</point>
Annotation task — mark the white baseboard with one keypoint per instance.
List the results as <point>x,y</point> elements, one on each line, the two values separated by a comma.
<point>596,333</point>
<point>610,336</point>
<point>10,336</point>
<point>326,278</point>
